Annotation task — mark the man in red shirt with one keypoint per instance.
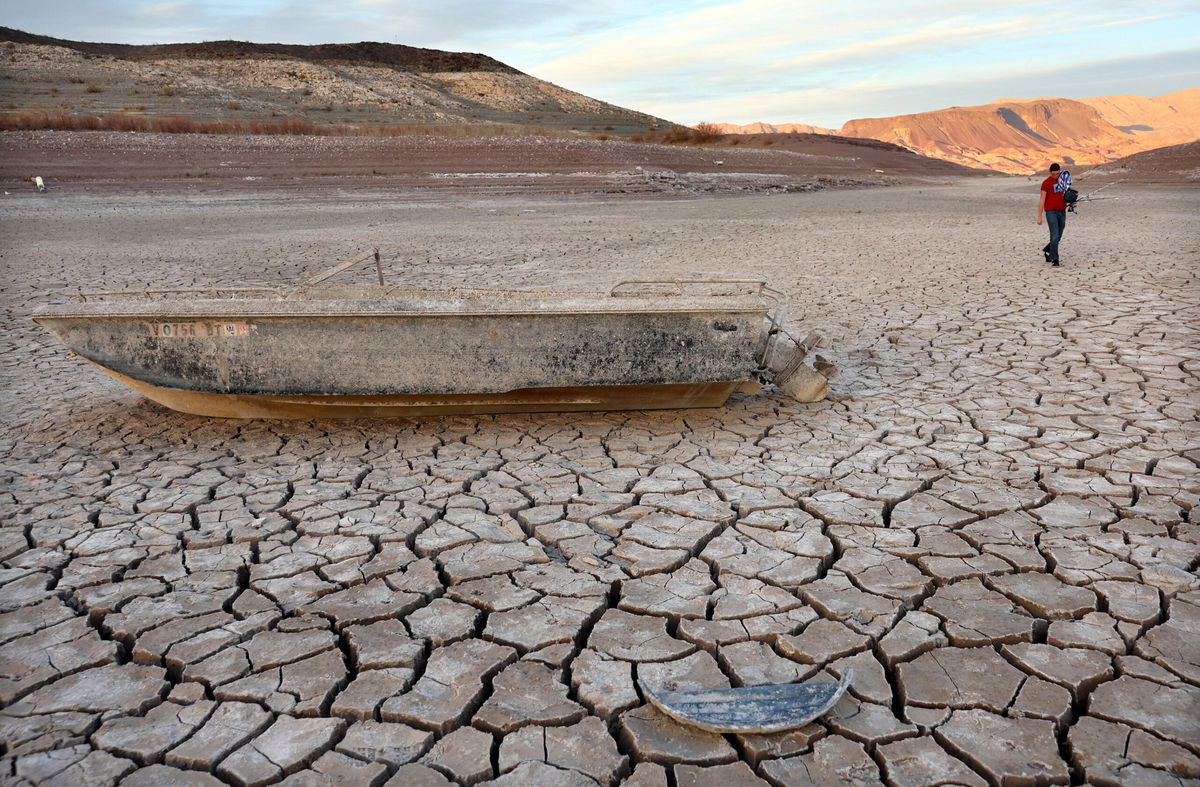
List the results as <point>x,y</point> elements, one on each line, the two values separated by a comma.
<point>1054,207</point>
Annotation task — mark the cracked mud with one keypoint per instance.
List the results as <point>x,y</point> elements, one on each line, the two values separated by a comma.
<point>993,520</point>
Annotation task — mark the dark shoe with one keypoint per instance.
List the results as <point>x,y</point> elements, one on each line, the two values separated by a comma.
<point>1046,254</point>
<point>1054,264</point>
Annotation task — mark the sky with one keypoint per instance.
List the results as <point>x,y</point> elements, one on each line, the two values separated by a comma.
<point>730,61</point>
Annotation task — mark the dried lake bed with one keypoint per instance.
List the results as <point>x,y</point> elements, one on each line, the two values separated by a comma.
<point>993,519</point>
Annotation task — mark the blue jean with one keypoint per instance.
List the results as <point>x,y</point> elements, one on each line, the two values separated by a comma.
<point>1057,221</point>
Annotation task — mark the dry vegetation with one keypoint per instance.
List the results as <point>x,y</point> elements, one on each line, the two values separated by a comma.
<point>30,120</point>
<point>36,119</point>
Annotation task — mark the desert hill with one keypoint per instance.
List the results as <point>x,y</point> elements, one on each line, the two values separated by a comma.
<point>1162,165</point>
<point>363,83</point>
<point>772,128</point>
<point>1021,136</point>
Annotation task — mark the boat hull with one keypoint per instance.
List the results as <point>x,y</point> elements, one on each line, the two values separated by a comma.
<point>528,400</point>
<point>354,357</point>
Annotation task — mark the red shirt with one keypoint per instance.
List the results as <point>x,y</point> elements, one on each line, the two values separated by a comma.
<point>1054,200</point>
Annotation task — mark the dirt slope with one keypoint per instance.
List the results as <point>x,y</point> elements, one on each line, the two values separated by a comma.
<point>772,128</point>
<point>364,83</point>
<point>1024,135</point>
<point>1174,164</point>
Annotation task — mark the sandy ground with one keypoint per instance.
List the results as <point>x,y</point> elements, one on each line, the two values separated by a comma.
<point>433,166</point>
<point>993,519</point>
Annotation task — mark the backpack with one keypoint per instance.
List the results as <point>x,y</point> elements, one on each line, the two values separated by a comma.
<point>1064,185</point>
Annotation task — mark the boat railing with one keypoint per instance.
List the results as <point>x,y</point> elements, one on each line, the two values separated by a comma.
<point>651,288</point>
<point>146,293</point>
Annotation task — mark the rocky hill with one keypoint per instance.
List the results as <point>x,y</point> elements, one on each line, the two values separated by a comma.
<point>1020,136</point>
<point>1161,165</point>
<point>772,128</point>
<point>363,83</point>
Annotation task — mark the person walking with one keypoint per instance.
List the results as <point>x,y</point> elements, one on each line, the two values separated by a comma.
<point>1052,204</point>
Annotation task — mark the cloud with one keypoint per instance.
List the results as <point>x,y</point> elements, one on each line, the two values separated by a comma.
<point>1150,75</point>
<point>727,60</point>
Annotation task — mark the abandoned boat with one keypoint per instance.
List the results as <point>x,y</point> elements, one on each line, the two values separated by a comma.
<point>319,350</point>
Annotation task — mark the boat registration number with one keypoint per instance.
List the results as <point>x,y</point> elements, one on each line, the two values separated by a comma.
<point>196,330</point>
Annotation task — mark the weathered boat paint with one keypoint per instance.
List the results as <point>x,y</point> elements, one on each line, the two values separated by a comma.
<point>365,351</point>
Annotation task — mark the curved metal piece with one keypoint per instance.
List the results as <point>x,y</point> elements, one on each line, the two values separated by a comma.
<point>752,708</point>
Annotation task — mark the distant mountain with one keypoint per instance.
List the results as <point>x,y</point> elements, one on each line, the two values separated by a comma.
<point>768,128</point>
<point>364,83</point>
<point>1020,136</point>
<point>1173,164</point>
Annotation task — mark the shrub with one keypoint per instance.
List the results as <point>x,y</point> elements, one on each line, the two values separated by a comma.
<point>93,88</point>
<point>706,132</point>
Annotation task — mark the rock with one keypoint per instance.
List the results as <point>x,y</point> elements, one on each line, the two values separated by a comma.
<point>1079,670</point>
<point>333,768</point>
<point>757,747</point>
<point>696,672</point>
<point>974,616</point>
<point>464,755</point>
<point>443,621</point>
<point>916,633</point>
<point>837,597</point>
<point>301,688</point>
<point>1095,630</point>
<point>756,664</point>
<point>1045,596</point>
<point>384,742</point>
<point>527,693</point>
<point>651,735</point>
<point>821,642</point>
<point>604,684</point>
<point>833,761</point>
<point>1040,699</point>
<point>959,678</point>
<point>735,773</point>
<point>127,688</point>
<point>919,761</point>
<point>585,747</point>
<point>550,620</point>
<point>1004,750</point>
<point>681,593</point>
<point>166,776</point>
<point>1113,755</point>
<point>638,638</point>
<point>451,685</point>
<point>417,775</point>
<point>541,773</point>
<point>867,722</point>
<point>383,644</point>
<point>363,696</point>
<point>1173,647</point>
<point>286,746</point>
<point>272,648</point>
<point>146,738</point>
<point>230,725</point>
<point>742,597</point>
<point>1169,711</point>
<point>495,593</point>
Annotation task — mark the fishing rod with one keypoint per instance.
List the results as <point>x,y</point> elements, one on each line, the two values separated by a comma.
<point>1089,197</point>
